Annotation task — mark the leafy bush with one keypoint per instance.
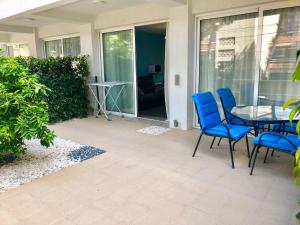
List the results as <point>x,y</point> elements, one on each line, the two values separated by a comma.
<point>23,112</point>
<point>66,77</point>
<point>294,113</point>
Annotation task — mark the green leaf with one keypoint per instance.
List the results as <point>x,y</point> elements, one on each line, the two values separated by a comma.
<point>298,127</point>
<point>296,74</point>
<point>297,157</point>
<point>297,54</point>
<point>289,102</point>
<point>297,181</point>
<point>294,112</point>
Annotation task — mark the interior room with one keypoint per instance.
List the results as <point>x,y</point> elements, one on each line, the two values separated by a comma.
<point>150,66</point>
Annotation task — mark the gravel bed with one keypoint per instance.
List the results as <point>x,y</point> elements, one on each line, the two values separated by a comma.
<point>39,161</point>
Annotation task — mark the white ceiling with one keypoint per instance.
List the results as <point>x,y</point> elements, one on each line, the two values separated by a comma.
<point>88,7</point>
<point>76,12</point>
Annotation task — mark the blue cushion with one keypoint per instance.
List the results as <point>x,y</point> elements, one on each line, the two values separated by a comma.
<point>236,131</point>
<point>276,140</point>
<point>228,101</point>
<point>207,109</point>
<point>227,98</point>
<point>287,128</point>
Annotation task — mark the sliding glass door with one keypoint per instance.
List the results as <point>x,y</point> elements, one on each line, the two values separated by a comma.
<point>251,53</point>
<point>280,42</point>
<point>227,55</point>
<point>118,65</point>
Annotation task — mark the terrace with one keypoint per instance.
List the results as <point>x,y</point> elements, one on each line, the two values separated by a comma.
<point>160,69</point>
<point>146,179</point>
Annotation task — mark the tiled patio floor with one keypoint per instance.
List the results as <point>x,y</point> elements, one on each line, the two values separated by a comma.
<point>153,180</point>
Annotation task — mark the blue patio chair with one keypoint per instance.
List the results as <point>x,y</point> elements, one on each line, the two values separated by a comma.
<point>211,124</point>
<point>276,141</point>
<point>286,128</point>
<point>228,102</point>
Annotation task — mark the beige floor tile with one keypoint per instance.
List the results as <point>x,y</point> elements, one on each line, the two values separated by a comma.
<point>144,179</point>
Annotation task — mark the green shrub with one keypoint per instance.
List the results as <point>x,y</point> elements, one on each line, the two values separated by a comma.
<point>295,102</point>
<point>23,112</point>
<point>66,77</point>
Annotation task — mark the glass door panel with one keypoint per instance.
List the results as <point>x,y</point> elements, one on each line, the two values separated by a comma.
<point>228,55</point>
<point>280,42</point>
<point>118,62</point>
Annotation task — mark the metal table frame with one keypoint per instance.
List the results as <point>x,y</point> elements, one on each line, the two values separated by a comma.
<point>107,87</point>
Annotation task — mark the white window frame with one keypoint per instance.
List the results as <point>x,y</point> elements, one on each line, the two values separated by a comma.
<point>59,38</point>
<point>260,8</point>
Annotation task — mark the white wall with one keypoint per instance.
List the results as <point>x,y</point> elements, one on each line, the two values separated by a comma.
<point>180,62</point>
<point>89,45</point>
<point>4,37</point>
<point>133,15</point>
<point>57,29</point>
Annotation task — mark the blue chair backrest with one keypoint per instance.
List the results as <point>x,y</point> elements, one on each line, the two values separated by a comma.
<point>227,98</point>
<point>207,109</point>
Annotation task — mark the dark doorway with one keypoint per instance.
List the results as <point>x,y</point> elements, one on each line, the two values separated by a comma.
<point>150,67</point>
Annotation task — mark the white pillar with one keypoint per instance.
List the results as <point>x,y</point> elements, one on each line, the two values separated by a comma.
<point>36,45</point>
<point>181,64</point>
<point>89,44</point>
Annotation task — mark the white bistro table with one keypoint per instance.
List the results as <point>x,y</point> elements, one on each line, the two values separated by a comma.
<point>106,88</point>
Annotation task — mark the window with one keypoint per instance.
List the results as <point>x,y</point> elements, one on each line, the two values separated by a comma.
<point>280,41</point>
<point>227,54</point>
<point>63,47</point>
<point>253,56</point>
<point>11,49</point>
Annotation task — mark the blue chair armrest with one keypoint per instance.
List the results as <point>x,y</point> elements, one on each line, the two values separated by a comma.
<point>276,135</point>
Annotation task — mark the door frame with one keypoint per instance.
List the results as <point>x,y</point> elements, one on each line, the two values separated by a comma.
<point>124,28</point>
<point>165,70</point>
<point>132,28</point>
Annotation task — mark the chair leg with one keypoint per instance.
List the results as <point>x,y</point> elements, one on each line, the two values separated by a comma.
<point>265,159</point>
<point>253,150</point>
<point>272,154</point>
<point>255,156</point>
<point>231,153</point>
<point>212,143</point>
<point>197,145</point>
<point>219,141</point>
<point>233,146</point>
<point>247,142</point>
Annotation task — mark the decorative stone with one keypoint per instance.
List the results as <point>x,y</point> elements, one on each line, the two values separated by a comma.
<point>39,161</point>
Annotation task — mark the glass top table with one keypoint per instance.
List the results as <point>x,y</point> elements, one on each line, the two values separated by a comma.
<point>265,114</point>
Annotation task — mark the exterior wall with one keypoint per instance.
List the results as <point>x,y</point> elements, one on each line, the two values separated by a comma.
<point>180,37</point>
<point>180,44</point>
<point>133,15</point>
<point>178,48</point>
<point>4,37</point>
<point>58,29</point>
